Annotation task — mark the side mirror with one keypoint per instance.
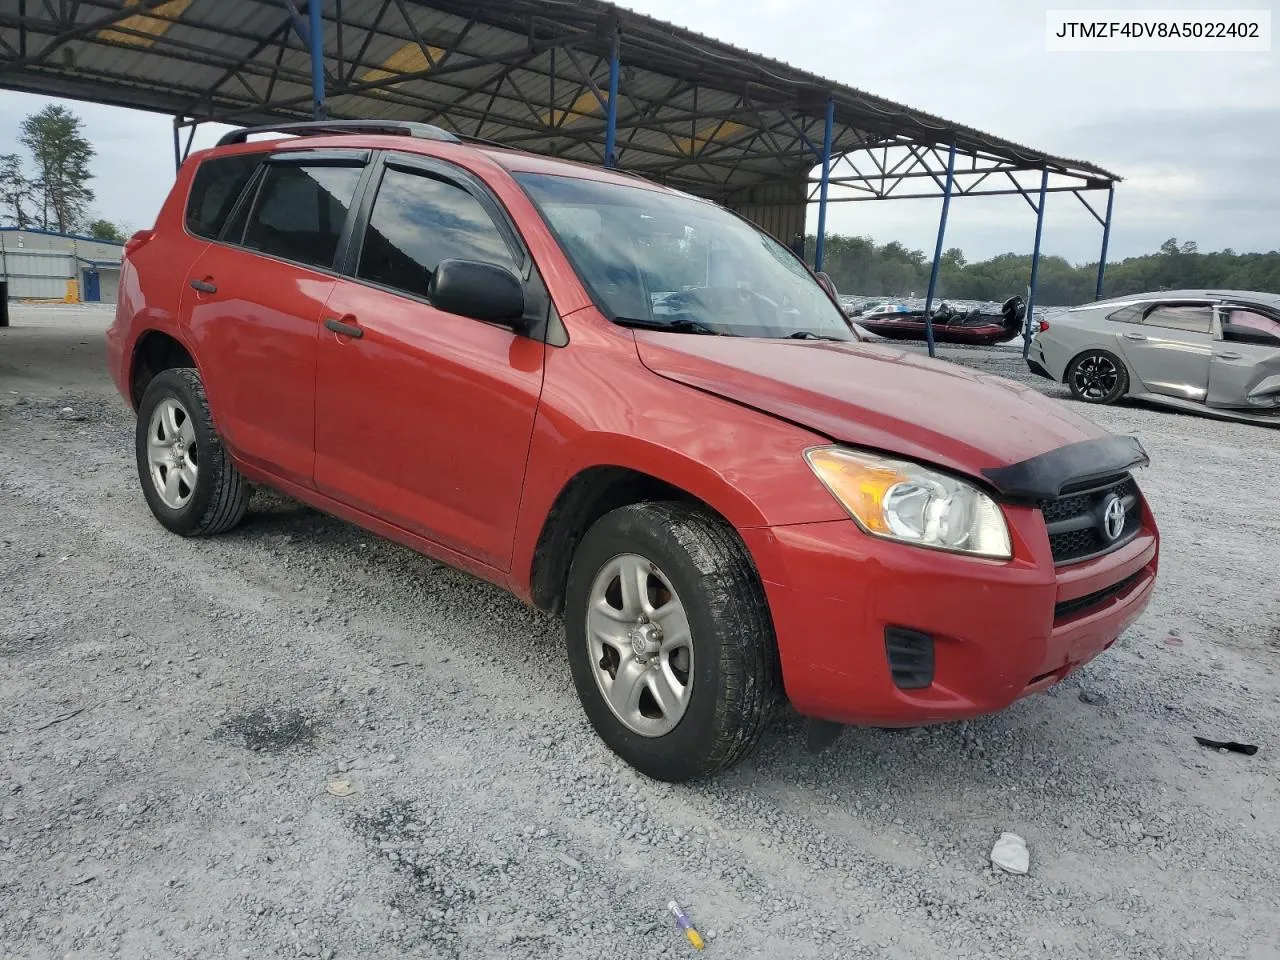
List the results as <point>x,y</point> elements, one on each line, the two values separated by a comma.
<point>482,291</point>
<point>828,285</point>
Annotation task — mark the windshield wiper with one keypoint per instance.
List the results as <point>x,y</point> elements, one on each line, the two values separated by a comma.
<point>677,325</point>
<point>810,335</point>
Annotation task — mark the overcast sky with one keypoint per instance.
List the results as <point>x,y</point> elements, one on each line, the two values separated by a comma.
<point>1195,136</point>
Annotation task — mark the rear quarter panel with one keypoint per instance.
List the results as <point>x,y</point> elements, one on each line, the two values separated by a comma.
<point>1070,335</point>
<point>152,279</point>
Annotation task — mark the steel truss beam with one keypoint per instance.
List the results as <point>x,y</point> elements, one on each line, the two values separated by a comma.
<point>213,104</point>
<point>772,129</point>
<point>66,32</point>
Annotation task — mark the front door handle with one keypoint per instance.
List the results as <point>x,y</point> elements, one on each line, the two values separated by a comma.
<point>345,329</point>
<point>1227,355</point>
<point>204,286</point>
<point>1135,336</point>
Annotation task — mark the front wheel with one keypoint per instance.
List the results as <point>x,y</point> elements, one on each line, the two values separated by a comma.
<point>1097,376</point>
<point>670,640</point>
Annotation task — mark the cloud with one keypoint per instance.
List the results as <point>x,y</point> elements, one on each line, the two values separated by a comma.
<point>1208,171</point>
<point>1194,135</point>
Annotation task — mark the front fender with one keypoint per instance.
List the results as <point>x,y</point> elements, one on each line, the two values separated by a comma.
<point>746,465</point>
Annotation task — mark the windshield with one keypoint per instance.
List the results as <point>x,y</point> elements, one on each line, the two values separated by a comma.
<point>657,259</point>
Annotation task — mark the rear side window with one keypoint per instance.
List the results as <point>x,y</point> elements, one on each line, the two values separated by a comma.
<point>300,212</point>
<point>1129,314</point>
<point>216,187</point>
<point>1189,318</point>
<point>418,221</point>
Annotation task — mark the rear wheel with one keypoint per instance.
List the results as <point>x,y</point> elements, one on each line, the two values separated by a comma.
<point>1097,376</point>
<point>188,480</point>
<point>670,640</point>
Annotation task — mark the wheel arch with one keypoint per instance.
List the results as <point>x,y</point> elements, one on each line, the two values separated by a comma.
<point>154,351</point>
<point>583,499</point>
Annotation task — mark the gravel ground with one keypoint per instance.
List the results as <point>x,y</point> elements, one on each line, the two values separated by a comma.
<point>175,710</point>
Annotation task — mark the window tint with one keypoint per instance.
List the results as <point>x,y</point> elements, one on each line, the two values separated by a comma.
<point>1251,320</point>
<point>1129,314</point>
<point>1193,319</point>
<point>300,212</point>
<point>214,191</point>
<point>418,221</point>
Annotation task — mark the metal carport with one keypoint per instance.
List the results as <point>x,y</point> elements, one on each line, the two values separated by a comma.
<point>581,79</point>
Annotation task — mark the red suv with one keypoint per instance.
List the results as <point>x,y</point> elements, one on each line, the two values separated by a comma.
<point>630,406</point>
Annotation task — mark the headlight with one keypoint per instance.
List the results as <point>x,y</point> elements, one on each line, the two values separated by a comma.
<point>904,501</point>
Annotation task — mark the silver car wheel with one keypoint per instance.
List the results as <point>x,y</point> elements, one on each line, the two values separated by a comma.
<point>640,646</point>
<point>1095,377</point>
<point>172,453</point>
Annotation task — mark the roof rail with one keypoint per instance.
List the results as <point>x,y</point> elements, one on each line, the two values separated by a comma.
<point>322,128</point>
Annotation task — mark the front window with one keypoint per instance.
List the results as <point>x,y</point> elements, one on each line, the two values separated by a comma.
<point>1250,325</point>
<point>419,220</point>
<point>656,259</point>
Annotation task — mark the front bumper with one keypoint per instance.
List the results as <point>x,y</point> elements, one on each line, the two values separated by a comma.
<point>1001,630</point>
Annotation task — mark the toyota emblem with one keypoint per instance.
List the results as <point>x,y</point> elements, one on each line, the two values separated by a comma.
<point>1113,518</point>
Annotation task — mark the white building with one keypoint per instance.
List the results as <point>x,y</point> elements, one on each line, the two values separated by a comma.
<point>36,265</point>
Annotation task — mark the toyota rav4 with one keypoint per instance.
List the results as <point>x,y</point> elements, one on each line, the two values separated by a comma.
<point>628,406</point>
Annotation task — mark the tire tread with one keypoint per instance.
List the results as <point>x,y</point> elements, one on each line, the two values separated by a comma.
<point>749,667</point>
<point>753,676</point>
<point>231,492</point>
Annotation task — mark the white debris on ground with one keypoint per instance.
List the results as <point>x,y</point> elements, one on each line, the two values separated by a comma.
<point>1010,853</point>
<point>175,711</point>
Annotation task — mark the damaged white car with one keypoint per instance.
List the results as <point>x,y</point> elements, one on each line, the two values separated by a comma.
<point>1211,352</point>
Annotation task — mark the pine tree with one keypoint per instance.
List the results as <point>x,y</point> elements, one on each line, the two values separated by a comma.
<point>17,193</point>
<point>62,154</point>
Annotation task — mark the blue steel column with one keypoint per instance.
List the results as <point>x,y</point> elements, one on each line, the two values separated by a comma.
<point>316,38</point>
<point>820,253</point>
<point>1035,264</point>
<point>1106,238</point>
<point>611,123</point>
<point>937,250</point>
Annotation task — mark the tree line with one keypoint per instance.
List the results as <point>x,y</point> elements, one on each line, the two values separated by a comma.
<point>49,188</point>
<point>859,265</point>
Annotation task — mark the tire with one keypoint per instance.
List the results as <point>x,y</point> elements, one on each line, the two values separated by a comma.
<point>174,408</point>
<point>732,681</point>
<point>1097,376</point>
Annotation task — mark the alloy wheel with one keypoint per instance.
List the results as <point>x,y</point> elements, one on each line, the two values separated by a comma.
<point>640,646</point>
<point>1095,377</point>
<point>172,453</point>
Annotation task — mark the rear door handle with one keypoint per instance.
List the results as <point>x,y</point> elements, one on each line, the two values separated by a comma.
<point>345,329</point>
<point>1227,356</point>
<point>204,286</point>
<point>1135,336</point>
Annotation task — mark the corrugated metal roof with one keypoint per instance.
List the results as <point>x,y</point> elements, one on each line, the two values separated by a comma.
<point>692,111</point>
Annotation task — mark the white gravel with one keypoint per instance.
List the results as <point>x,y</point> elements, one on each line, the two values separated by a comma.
<point>175,710</point>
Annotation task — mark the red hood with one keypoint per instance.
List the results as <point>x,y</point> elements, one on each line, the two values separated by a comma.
<point>874,396</point>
